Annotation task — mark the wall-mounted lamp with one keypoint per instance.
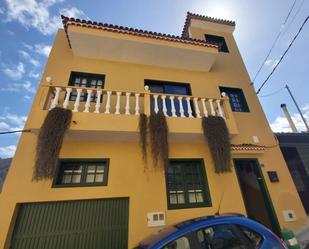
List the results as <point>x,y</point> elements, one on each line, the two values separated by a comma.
<point>49,79</point>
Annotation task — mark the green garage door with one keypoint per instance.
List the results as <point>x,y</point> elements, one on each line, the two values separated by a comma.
<point>72,224</point>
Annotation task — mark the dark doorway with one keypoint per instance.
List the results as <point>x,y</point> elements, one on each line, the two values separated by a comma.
<point>298,173</point>
<point>255,193</point>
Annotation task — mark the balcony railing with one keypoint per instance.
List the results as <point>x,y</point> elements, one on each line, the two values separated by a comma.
<point>102,101</point>
<point>113,115</point>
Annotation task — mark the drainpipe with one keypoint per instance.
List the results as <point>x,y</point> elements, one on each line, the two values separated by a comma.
<point>288,117</point>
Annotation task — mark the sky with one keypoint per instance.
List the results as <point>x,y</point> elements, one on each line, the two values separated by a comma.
<point>28,27</point>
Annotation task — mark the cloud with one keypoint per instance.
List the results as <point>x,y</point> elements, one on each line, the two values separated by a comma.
<point>281,124</point>
<point>12,122</point>
<point>305,108</point>
<point>271,62</point>
<point>27,46</point>
<point>19,87</point>
<point>14,119</point>
<point>4,126</point>
<point>27,97</point>
<point>72,12</point>
<point>7,151</point>
<point>42,49</point>
<point>10,32</point>
<point>25,55</point>
<point>36,14</point>
<point>34,75</point>
<point>15,72</point>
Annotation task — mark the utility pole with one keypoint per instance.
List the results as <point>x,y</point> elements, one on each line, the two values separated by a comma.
<point>288,117</point>
<point>302,116</point>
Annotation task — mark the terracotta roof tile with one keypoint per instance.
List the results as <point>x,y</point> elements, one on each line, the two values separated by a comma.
<point>131,31</point>
<point>237,147</point>
<point>190,16</point>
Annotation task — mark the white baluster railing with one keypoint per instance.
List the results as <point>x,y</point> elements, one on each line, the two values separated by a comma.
<point>118,94</point>
<point>156,107</point>
<point>181,110</point>
<point>189,107</point>
<point>98,101</point>
<point>212,109</point>
<point>127,108</point>
<point>67,98</point>
<point>87,105</point>
<point>220,111</point>
<point>192,107</point>
<point>137,103</point>
<point>77,100</point>
<point>204,108</point>
<point>108,102</point>
<point>56,98</point>
<point>163,97</point>
<point>197,109</point>
<point>173,109</point>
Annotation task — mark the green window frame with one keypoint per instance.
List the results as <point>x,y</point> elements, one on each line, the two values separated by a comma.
<point>81,173</point>
<point>186,184</point>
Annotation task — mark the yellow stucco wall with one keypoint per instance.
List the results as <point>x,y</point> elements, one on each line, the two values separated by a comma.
<point>147,190</point>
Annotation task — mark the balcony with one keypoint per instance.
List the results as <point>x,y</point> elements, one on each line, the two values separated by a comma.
<point>139,47</point>
<point>100,114</point>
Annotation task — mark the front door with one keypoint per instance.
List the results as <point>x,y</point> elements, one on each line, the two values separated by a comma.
<point>255,193</point>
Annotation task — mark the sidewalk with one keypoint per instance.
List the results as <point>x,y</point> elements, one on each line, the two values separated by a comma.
<point>303,236</point>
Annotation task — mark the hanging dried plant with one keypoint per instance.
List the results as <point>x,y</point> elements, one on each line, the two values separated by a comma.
<point>143,136</point>
<point>50,141</point>
<point>217,136</point>
<point>159,139</point>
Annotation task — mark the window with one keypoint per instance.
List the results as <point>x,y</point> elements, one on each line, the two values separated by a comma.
<point>82,173</point>
<point>181,243</point>
<point>220,237</point>
<point>237,99</point>
<point>254,238</point>
<point>218,40</point>
<point>187,184</point>
<point>79,79</point>
<point>167,87</point>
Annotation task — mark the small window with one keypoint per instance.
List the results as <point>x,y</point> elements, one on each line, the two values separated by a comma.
<point>255,238</point>
<point>218,40</point>
<point>187,185</point>
<point>89,80</point>
<point>237,99</point>
<point>220,237</point>
<point>82,173</point>
<point>181,243</point>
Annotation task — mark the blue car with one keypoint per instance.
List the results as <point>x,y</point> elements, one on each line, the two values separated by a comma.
<point>214,232</point>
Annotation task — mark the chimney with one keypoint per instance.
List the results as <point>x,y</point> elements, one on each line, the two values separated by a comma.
<point>288,117</point>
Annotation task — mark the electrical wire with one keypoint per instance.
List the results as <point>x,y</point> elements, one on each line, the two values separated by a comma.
<point>273,93</point>
<point>293,18</point>
<point>275,42</point>
<point>16,131</point>
<point>286,19</point>
<point>281,58</point>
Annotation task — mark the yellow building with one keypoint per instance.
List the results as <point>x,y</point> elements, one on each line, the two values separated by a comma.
<point>103,194</point>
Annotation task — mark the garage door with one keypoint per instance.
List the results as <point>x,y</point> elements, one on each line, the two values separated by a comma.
<point>72,224</point>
